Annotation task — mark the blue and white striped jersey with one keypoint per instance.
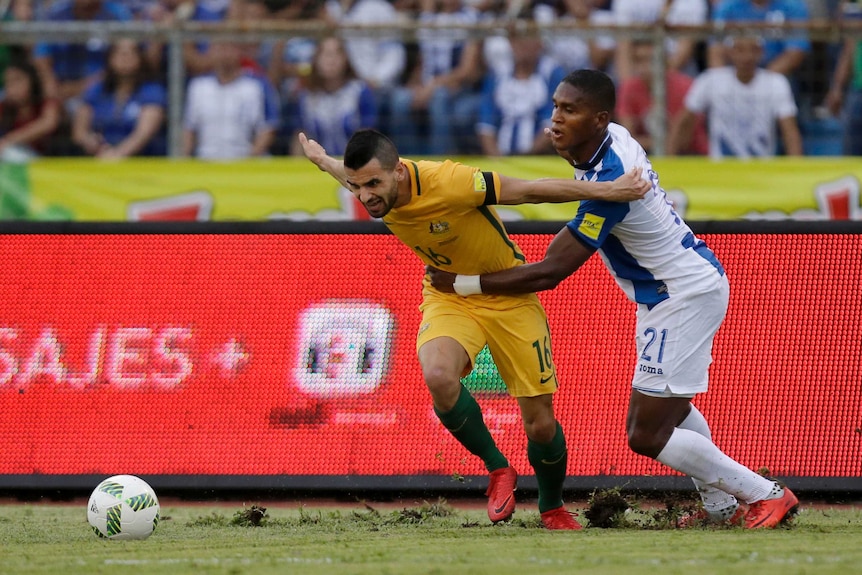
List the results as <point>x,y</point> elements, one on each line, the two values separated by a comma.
<point>646,245</point>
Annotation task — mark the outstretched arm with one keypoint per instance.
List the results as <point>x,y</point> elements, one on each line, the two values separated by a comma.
<point>318,156</point>
<point>563,257</point>
<point>626,188</point>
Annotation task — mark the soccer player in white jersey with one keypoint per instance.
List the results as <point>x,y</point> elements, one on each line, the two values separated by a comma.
<point>680,289</point>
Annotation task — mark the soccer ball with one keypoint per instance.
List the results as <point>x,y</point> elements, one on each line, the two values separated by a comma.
<point>123,507</point>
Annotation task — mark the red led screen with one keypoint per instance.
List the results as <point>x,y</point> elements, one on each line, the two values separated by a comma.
<point>282,354</point>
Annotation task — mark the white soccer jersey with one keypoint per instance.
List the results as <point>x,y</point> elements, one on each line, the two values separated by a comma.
<point>227,117</point>
<point>741,117</point>
<point>572,51</point>
<point>648,248</point>
<point>379,59</point>
<point>679,13</point>
<point>648,11</point>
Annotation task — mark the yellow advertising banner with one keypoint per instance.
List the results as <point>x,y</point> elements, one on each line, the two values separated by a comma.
<point>293,188</point>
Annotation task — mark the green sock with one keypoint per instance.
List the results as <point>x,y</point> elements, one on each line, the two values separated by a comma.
<point>465,423</point>
<point>549,462</point>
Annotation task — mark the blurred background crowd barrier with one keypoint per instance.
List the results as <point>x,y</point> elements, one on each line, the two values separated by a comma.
<point>237,79</point>
<point>811,81</point>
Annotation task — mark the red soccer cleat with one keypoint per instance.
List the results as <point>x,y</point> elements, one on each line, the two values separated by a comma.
<point>768,513</point>
<point>501,494</point>
<point>560,519</point>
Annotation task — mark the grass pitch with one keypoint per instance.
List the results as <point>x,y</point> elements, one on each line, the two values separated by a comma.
<point>425,538</point>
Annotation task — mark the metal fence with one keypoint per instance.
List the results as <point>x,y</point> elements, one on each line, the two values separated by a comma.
<point>180,33</point>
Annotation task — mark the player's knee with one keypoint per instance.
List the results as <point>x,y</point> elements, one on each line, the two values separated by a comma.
<point>443,385</point>
<point>541,430</point>
<point>643,442</point>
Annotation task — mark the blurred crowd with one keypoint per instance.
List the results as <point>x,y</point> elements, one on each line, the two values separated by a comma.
<point>444,92</point>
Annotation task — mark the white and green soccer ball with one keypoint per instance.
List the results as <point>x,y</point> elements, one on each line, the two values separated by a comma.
<point>123,507</point>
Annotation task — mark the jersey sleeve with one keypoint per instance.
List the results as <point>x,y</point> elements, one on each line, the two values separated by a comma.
<point>785,104</point>
<point>191,119</point>
<point>798,13</point>
<point>153,94</point>
<point>595,220</point>
<point>92,94</point>
<point>697,98</point>
<point>489,117</point>
<point>484,186</point>
<point>367,107</point>
<point>271,112</point>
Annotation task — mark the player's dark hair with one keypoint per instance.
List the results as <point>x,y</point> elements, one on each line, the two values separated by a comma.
<point>597,88</point>
<point>365,145</point>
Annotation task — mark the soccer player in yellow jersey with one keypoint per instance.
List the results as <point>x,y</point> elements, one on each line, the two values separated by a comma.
<point>444,212</point>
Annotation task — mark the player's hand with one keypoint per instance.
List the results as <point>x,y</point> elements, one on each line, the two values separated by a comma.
<point>312,150</point>
<point>629,187</point>
<point>442,281</point>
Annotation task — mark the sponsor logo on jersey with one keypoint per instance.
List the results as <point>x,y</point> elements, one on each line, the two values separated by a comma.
<point>544,380</point>
<point>438,227</point>
<point>650,369</point>
<point>592,226</point>
<point>479,183</point>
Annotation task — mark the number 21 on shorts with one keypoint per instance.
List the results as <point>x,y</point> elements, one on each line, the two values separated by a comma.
<point>655,341</point>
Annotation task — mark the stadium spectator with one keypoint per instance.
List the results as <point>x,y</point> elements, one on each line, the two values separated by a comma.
<point>286,61</point>
<point>678,285</point>
<point>680,50</point>
<point>68,69</point>
<point>18,11</point>
<point>443,102</point>
<point>783,54</point>
<point>196,59</point>
<point>290,59</point>
<point>231,113</point>
<point>334,103</point>
<point>468,235</point>
<point>844,98</point>
<point>27,116</point>
<point>257,53</point>
<point>743,103</point>
<point>378,59</point>
<point>516,106</point>
<point>123,114</point>
<point>570,50</point>
<point>635,111</point>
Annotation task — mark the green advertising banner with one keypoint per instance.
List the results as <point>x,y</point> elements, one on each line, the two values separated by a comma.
<point>292,188</point>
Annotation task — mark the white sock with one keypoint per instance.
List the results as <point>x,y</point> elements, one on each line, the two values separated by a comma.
<point>693,454</point>
<point>719,504</point>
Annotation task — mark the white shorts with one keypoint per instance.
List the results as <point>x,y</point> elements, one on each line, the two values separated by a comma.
<point>674,342</point>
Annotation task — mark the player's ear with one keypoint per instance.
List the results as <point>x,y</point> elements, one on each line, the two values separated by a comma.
<point>603,118</point>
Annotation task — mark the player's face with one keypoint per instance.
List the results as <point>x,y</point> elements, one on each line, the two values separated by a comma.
<point>577,129</point>
<point>375,187</point>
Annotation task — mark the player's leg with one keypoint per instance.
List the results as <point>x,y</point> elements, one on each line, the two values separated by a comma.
<point>548,455</point>
<point>520,342</point>
<point>675,351</point>
<point>448,341</point>
<point>651,433</point>
<point>443,361</point>
<point>718,506</point>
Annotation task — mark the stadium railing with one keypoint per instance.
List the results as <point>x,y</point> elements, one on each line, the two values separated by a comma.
<point>179,33</point>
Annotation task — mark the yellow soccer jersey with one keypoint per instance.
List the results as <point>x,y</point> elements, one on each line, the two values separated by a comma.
<point>447,222</point>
